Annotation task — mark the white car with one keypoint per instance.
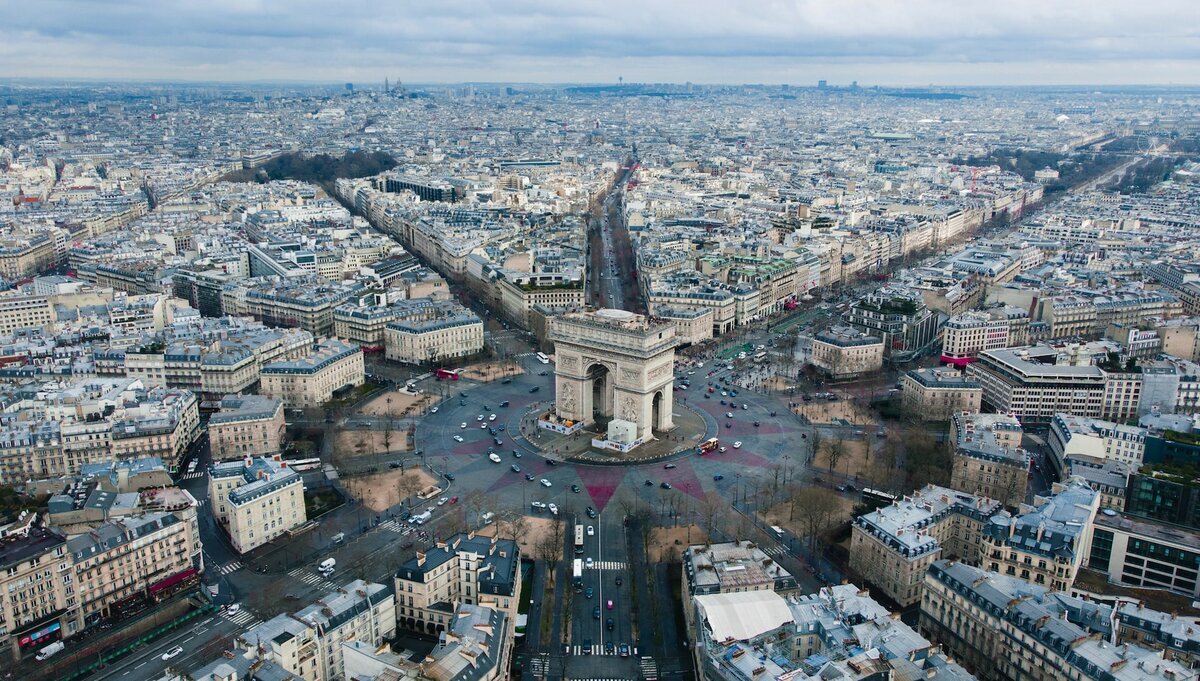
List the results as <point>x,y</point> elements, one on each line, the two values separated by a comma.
<point>433,410</point>
<point>745,406</point>
<point>591,531</point>
<point>737,445</point>
<point>494,457</point>
<point>483,425</point>
<point>442,501</point>
<point>458,438</point>
<point>233,607</point>
<point>589,563</point>
<point>492,417</point>
<point>479,418</point>
<point>553,509</point>
<point>545,482</point>
<point>172,653</point>
<point>462,425</point>
<point>724,394</point>
<point>728,414</point>
<point>723,450</point>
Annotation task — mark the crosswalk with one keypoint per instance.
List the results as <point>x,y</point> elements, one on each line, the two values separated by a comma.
<point>232,566</point>
<point>311,578</point>
<point>776,550</point>
<point>649,668</point>
<point>596,649</point>
<point>608,565</point>
<point>242,618</point>
<point>193,475</point>
<point>395,526</point>
<point>539,665</point>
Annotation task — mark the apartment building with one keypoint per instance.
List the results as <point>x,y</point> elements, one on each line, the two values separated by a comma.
<point>32,253</point>
<point>938,394</point>
<point>39,605</point>
<point>966,335</point>
<point>891,547</point>
<point>988,458</point>
<point>693,325</point>
<point>246,425</point>
<point>1078,437</point>
<point>1045,543</point>
<point>256,500</point>
<point>733,567</point>
<point>125,565</point>
<point>840,632</point>
<point>360,611</point>
<point>843,353</point>
<point>305,301</point>
<point>436,332</point>
<point>899,317</point>
<point>1069,316</point>
<point>465,569</point>
<point>311,381</point>
<point>518,296</point>
<point>1177,637</point>
<point>1005,629</point>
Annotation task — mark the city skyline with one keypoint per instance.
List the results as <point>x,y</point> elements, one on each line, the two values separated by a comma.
<point>889,44</point>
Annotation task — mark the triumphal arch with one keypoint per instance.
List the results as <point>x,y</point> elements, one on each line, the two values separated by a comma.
<point>614,368</point>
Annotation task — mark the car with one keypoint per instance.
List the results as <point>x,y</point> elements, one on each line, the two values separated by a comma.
<point>595,615</point>
<point>544,482</point>
<point>756,424</point>
<point>453,500</point>
<point>500,427</point>
<point>551,462</point>
<point>718,477</point>
<point>723,403</point>
<point>609,647</point>
<point>433,410</point>
<point>608,624</point>
<point>177,650</point>
<point>575,489</point>
<point>729,424</point>
<point>491,417</point>
<point>515,468</point>
<point>744,407</point>
<point>442,501</point>
<point>665,485</point>
<point>449,476</point>
<point>724,394</point>
<point>506,381</point>
<point>504,404</point>
<point>591,512</point>
<point>458,438</point>
<point>233,607</point>
<point>543,373</point>
<point>529,477</point>
<point>494,458</point>
<point>649,483</point>
<point>587,646</point>
<point>589,563</point>
<point>479,418</point>
<point>462,425</point>
<point>722,449</point>
<point>587,593</point>
<point>620,581</point>
<point>737,444</point>
<point>591,531</point>
<point>623,650</point>
<point>728,414</point>
<point>669,466</point>
<point>498,441</point>
<point>535,388</point>
<point>516,454</point>
<point>483,425</point>
<point>538,505</point>
<point>393,464</point>
<point>610,605</point>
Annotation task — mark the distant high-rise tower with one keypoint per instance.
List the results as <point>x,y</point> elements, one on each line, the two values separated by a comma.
<point>821,85</point>
<point>386,86</point>
<point>620,80</point>
<point>350,87</point>
<point>854,85</point>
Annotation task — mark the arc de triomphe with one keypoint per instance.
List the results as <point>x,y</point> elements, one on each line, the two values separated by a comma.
<point>614,364</point>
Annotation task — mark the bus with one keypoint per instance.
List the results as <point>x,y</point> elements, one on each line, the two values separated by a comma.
<point>875,498</point>
<point>709,445</point>
<point>760,357</point>
<point>577,569</point>
<point>451,374</point>
<point>541,356</point>
<point>579,540</point>
<point>301,465</point>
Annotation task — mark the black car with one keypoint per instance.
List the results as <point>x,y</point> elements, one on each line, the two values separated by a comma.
<point>529,477</point>
<point>535,388</point>
<point>619,581</point>
<point>649,483</point>
<point>669,466</point>
<point>504,404</point>
<point>596,612</point>
<point>551,462</point>
<point>516,454</point>
<point>609,648</point>
<point>756,423</point>
<point>506,381</point>
<point>609,625</point>
<point>591,513</point>
<point>449,476</point>
<point>665,485</point>
<point>575,488</point>
<point>405,515</point>
<point>587,646</point>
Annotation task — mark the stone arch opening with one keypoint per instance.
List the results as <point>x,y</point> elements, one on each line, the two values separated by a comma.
<point>601,380</point>
<point>656,407</point>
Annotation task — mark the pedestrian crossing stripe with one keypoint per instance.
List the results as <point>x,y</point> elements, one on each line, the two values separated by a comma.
<point>649,668</point>
<point>240,618</point>
<point>394,526</point>
<point>230,567</point>
<point>193,475</point>
<point>608,565</point>
<point>774,550</point>
<point>598,649</point>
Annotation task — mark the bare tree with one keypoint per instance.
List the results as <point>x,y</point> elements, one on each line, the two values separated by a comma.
<point>408,485</point>
<point>835,449</point>
<point>818,507</point>
<point>550,546</point>
<point>714,510</point>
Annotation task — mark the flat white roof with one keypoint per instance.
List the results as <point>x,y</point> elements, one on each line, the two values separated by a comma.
<point>743,615</point>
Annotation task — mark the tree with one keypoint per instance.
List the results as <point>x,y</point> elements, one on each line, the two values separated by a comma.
<point>714,511</point>
<point>408,485</point>
<point>835,449</point>
<point>817,507</point>
<point>550,546</point>
<point>815,440</point>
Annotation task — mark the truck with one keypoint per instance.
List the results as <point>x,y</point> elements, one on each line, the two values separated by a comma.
<point>420,518</point>
<point>50,650</point>
<point>339,537</point>
<point>327,566</point>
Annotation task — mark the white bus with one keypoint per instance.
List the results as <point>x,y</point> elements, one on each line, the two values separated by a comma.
<point>543,358</point>
<point>579,540</point>
<point>577,569</point>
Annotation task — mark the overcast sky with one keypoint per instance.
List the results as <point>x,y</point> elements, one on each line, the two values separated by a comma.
<point>888,42</point>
